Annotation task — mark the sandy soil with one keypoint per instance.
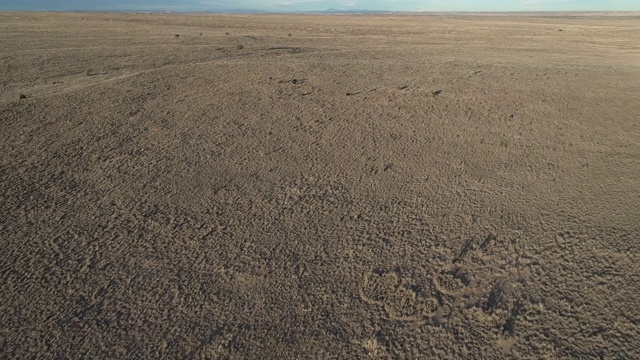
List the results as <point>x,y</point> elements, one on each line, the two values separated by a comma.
<point>394,187</point>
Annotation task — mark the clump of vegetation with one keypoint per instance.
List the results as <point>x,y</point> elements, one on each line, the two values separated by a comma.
<point>226,33</point>
<point>22,96</point>
<point>177,35</point>
<point>289,35</point>
<point>201,34</point>
<point>240,47</point>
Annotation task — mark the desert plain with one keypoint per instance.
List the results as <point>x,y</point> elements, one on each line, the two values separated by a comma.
<point>314,186</point>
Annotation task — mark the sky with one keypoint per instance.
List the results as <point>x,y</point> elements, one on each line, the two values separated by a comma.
<point>318,5</point>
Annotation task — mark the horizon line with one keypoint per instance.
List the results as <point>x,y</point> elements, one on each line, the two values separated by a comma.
<point>326,11</point>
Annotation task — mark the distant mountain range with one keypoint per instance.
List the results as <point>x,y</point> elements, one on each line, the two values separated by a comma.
<point>242,11</point>
<point>367,11</point>
<point>327,11</point>
<point>350,11</point>
<point>253,11</point>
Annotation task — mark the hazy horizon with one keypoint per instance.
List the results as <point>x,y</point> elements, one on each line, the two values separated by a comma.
<point>321,5</point>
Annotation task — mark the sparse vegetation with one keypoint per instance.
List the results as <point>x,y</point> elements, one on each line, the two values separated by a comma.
<point>193,192</point>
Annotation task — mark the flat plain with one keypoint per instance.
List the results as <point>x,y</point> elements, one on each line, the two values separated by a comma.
<point>312,186</point>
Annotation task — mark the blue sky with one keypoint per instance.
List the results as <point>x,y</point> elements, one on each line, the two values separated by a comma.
<point>310,5</point>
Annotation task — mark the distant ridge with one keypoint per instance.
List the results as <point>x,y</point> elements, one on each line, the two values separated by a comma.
<point>335,11</point>
<point>352,11</point>
<point>240,11</point>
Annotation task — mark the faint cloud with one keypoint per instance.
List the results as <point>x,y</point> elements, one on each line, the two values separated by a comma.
<point>349,3</point>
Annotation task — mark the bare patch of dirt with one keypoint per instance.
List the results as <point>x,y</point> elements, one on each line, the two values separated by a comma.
<point>374,186</point>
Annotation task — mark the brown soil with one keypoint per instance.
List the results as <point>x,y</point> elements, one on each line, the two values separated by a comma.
<point>400,187</point>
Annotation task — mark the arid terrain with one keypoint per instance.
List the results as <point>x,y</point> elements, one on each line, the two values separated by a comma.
<point>313,186</point>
